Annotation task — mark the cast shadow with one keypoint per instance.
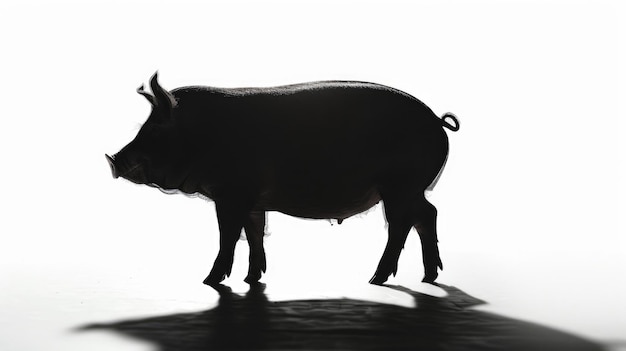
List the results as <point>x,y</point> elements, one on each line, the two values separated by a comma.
<point>252,322</point>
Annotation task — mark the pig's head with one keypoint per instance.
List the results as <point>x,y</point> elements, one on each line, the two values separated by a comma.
<point>154,156</point>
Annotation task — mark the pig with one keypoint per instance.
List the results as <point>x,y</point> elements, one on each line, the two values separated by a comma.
<point>320,150</point>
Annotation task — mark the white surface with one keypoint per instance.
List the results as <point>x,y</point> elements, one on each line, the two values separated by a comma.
<point>531,203</point>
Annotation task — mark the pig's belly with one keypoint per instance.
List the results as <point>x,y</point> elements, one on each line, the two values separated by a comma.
<point>320,203</point>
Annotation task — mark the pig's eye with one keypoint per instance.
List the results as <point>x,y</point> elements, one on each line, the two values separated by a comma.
<point>150,134</point>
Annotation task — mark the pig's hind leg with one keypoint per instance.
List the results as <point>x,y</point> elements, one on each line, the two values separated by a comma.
<point>426,226</point>
<point>402,212</point>
<point>399,220</point>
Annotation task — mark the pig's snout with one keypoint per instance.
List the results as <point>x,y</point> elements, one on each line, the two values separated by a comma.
<point>111,161</point>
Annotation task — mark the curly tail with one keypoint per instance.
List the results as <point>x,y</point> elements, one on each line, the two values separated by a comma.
<point>450,115</point>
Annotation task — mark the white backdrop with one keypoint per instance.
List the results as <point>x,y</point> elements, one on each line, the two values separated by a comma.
<point>530,212</point>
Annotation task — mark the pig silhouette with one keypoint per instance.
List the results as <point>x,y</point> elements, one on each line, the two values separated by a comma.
<point>323,150</point>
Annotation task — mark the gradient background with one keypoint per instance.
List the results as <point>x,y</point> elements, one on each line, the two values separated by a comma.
<point>531,203</point>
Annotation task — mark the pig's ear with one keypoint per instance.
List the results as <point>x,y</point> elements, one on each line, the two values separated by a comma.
<point>147,95</point>
<point>164,100</point>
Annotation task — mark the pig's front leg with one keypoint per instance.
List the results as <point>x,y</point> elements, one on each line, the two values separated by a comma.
<point>255,230</point>
<point>231,219</point>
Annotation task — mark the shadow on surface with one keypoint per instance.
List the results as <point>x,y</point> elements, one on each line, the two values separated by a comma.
<point>254,322</point>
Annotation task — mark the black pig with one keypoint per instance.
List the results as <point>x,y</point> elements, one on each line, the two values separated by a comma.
<point>315,150</point>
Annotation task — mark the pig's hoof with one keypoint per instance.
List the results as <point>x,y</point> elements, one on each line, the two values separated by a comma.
<point>378,280</point>
<point>213,281</point>
<point>430,278</point>
<point>252,279</point>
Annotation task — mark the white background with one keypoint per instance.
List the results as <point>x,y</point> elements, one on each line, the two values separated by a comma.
<point>531,201</point>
